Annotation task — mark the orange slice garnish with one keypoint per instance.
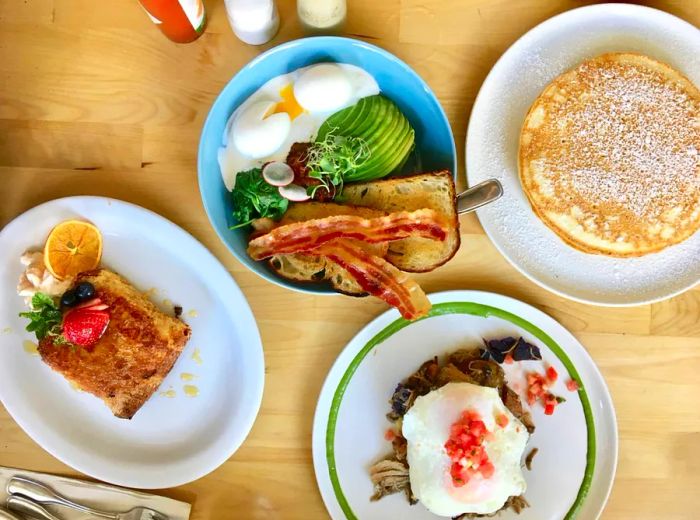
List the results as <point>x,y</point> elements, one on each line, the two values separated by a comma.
<point>72,247</point>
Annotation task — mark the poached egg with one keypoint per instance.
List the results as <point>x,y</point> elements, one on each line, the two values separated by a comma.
<point>427,426</point>
<point>288,109</point>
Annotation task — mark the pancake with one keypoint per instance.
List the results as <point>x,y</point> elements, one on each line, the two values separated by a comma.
<point>610,156</point>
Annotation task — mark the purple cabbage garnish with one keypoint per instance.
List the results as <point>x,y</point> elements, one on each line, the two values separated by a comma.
<point>519,349</point>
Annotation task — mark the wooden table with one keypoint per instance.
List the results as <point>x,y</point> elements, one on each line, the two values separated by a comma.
<point>94,100</point>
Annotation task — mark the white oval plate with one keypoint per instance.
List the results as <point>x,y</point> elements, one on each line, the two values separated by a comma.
<point>170,441</point>
<point>577,445</point>
<point>511,87</point>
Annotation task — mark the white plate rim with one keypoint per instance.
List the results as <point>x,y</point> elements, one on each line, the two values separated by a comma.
<point>544,25</point>
<point>214,268</point>
<point>373,330</point>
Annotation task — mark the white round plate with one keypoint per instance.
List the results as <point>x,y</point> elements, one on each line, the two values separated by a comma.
<point>573,471</point>
<point>170,441</point>
<point>519,76</point>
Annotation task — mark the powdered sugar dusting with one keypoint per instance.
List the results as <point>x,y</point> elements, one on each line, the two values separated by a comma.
<point>630,143</point>
<point>492,147</point>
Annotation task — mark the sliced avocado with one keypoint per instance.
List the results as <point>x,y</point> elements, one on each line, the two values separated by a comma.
<point>388,161</point>
<point>373,124</point>
<point>388,147</point>
<point>389,124</point>
<point>343,120</point>
<point>383,127</point>
<point>383,148</point>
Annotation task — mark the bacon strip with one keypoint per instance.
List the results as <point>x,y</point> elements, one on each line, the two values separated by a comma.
<point>307,235</point>
<point>378,277</point>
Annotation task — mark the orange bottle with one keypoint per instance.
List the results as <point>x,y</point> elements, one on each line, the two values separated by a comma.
<point>182,21</point>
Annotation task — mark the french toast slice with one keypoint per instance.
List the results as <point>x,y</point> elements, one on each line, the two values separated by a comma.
<point>129,362</point>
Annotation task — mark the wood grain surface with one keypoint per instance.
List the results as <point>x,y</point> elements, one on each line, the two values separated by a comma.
<point>94,100</point>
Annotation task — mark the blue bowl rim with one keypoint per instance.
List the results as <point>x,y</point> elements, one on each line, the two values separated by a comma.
<point>270,277</point>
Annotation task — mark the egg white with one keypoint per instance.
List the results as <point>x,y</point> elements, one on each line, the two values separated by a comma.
<point>302,129</point>
<point>426,427</point>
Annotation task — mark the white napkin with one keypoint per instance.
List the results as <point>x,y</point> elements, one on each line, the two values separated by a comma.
<point>97,496</point>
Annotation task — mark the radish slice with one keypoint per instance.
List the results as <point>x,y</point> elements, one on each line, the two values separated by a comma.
<point>278,173</point>
<point>294,192</point>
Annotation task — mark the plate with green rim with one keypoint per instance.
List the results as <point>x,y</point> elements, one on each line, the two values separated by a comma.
<point>573,472</point>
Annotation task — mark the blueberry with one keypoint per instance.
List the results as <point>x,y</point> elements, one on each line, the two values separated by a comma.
<point>69,299</point>
<point>84,291</point>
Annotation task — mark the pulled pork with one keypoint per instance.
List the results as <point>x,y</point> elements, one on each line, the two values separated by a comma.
<point>517,504</point>
<point>391,475</point>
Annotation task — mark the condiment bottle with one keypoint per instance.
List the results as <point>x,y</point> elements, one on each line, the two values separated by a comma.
<point>319,16</point>
<point>254,21</point>
<point>182,21</point>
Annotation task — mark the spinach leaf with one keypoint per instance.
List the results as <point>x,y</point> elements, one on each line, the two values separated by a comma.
<point>253,198</point>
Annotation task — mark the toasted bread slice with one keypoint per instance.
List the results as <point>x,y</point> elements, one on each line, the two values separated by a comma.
<point>425,190</point>
<point>306,268</point>
<point>138,349</point>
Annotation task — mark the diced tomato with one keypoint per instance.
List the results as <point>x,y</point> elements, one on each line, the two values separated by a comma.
<point>508,360</point>
<point>550,403</point>
<point>390,435</point>
<point>477,428</point>
<point>538,389</point>
<point>466,449</point>
<point>572,385</point>
<point>487,470</point>
<point>502,420</point>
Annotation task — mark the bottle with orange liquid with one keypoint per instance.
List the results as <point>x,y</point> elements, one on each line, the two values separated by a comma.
<point>182,21</point>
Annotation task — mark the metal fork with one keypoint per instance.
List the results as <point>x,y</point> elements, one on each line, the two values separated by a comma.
<point>45,495</point>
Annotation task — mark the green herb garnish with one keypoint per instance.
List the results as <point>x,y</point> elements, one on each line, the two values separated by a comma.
<point>44,318</point>
<point>332,159</point>
<point>254,198</point>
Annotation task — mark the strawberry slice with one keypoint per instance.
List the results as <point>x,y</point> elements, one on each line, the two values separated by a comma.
<point>88,303</point>
<point>84,327</point>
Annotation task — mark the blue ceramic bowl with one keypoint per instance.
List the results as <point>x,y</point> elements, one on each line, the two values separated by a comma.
<point>435,148</point>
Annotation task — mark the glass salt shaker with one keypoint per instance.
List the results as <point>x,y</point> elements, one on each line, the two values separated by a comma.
<point>254,21</point>
<point>322,16</point>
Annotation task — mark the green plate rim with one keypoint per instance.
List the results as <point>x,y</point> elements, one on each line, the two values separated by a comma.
<point>474,309</point>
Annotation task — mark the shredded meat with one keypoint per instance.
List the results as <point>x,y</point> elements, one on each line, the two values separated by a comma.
<point>450,373</point>
<point>513,403</point>
<point>390,475</point>
<point>530,457</point>
<point>517,504</point>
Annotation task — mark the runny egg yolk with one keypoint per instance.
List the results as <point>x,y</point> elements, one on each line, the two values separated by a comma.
<point>289,103</point>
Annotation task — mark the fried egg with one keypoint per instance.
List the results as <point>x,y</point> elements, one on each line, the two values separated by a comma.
<point>426,426</point>
<point>288,109</point>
